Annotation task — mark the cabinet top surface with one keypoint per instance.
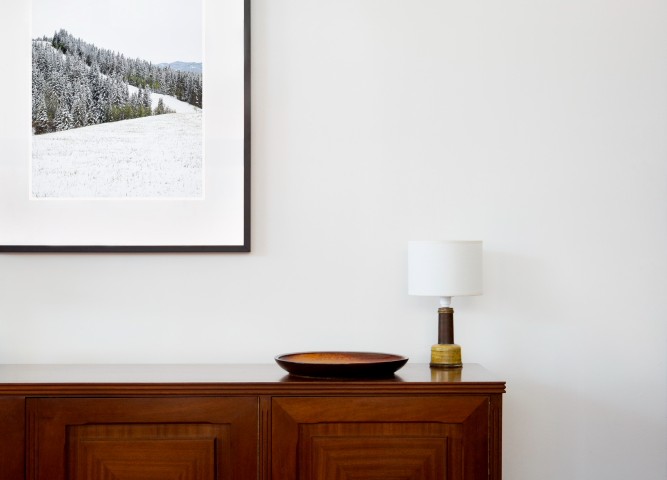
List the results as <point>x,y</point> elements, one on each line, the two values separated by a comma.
<point>250,378</point>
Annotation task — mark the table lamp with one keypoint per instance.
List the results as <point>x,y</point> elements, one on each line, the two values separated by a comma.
<point>445,269</point>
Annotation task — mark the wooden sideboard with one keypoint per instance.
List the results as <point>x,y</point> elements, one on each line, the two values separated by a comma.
<point>246,422</point>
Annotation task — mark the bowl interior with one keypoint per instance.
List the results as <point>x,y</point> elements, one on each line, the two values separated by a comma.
<point>339,358</point>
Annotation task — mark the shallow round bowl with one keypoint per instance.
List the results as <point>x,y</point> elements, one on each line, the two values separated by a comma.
<point>341,364</point>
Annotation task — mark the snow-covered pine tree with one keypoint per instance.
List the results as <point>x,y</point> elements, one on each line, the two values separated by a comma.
<point>147,98</point>
<point>38,85</point>
<point>40,120</point>
<point>63,119</point>
<point>79,107</point>
<point>159,110</point>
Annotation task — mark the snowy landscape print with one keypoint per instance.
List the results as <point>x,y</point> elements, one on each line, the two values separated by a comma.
<point>117,98</point>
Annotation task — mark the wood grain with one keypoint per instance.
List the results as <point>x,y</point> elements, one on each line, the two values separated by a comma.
<point>142,438</point>
<point>246,422</point>
<point>395,434</point>
<point>12,438</point>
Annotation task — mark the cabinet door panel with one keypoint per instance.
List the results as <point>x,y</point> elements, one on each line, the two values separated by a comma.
<point>409,438</point>
<point>146,452</point>
<point>142,439</point>
<point>12,438</point>
<point>378,451</point>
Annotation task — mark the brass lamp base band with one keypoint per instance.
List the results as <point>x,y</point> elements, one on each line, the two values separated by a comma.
<point>446,356</point>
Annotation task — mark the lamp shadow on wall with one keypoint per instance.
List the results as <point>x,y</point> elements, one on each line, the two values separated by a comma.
<point>525,322</point>
<point>520,284</point>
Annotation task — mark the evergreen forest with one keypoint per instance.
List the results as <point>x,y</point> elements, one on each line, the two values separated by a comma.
<point>76,84</point>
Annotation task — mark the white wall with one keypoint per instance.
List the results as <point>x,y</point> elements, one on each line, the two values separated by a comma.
<point>537,126</point>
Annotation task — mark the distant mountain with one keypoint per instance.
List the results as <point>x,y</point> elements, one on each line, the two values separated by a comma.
<point>193,67</point>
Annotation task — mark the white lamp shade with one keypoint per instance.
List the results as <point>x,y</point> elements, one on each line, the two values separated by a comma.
<point>445,268</point>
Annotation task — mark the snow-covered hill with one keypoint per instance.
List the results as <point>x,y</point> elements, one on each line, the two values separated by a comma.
<point>169,101</point>
<point>151,157</point>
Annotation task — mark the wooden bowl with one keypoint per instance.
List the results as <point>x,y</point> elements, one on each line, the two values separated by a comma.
<point>341,364</point>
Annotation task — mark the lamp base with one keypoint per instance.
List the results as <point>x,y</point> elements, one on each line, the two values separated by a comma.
<point>446,356</point>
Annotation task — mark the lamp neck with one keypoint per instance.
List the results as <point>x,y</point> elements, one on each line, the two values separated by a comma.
<point>445,302</point>
<point>445,325</point>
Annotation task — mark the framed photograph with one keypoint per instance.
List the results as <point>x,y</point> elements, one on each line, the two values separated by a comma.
<point>127,128</point>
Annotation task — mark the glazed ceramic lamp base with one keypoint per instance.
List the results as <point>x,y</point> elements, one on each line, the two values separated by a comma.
<point>446,354</point>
